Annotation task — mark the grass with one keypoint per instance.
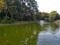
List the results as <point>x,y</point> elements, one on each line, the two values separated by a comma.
<point>22,34</point>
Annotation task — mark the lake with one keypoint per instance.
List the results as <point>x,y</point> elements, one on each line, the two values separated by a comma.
<point>42,33</point>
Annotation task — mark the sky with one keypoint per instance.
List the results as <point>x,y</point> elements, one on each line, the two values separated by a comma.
<point>48,5</point>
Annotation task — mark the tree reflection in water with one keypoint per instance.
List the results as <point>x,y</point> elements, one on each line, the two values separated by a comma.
<point>50,36</point>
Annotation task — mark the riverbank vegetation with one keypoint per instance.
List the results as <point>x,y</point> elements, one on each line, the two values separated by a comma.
<point>50,17</point>
<point>14,11</point>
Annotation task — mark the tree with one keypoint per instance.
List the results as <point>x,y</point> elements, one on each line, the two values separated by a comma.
<point>44,16</point>
<point>2,4</point>
<point>23,8</point>
<point>57,17</point>
<point>52,15</point>
<point>39,16</point>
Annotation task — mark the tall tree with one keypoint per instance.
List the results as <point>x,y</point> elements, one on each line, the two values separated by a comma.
<point>52,15</point>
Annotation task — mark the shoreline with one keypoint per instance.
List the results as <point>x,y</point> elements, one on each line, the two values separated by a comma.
<point>18,23</point>
<point>57,22</point>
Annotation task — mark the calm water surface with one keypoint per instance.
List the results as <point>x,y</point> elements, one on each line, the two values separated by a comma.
<point>41,33</point>
<point>50,35</point>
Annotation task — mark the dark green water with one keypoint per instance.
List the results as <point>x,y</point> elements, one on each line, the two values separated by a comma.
<point>30,34</point>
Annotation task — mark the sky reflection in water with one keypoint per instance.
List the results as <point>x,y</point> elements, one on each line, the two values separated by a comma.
<point>49,37</point>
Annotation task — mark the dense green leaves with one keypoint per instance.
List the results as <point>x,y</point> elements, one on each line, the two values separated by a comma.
<point>19,11</point>
<point>14,10</point>
<point>52,15</point>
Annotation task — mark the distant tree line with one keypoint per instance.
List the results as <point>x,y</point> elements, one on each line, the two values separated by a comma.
<point>50,17</point>
<point>6,16</point>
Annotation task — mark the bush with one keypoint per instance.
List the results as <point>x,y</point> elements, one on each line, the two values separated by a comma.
<point>7,20</point>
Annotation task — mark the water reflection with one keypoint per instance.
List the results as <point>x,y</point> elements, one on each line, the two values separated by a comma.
<point>50,36</point>
<point>42,22</point>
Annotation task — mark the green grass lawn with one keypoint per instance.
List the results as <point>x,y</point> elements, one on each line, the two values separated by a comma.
<point>22,34</point>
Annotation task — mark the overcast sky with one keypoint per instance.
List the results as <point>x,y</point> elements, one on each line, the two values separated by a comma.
<point>49,5</point>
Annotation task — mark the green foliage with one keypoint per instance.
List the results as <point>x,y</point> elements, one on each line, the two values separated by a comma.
<point>7,20</point>
<point>2,4</point>
<point>52,15</point>
<point>20,12</point>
